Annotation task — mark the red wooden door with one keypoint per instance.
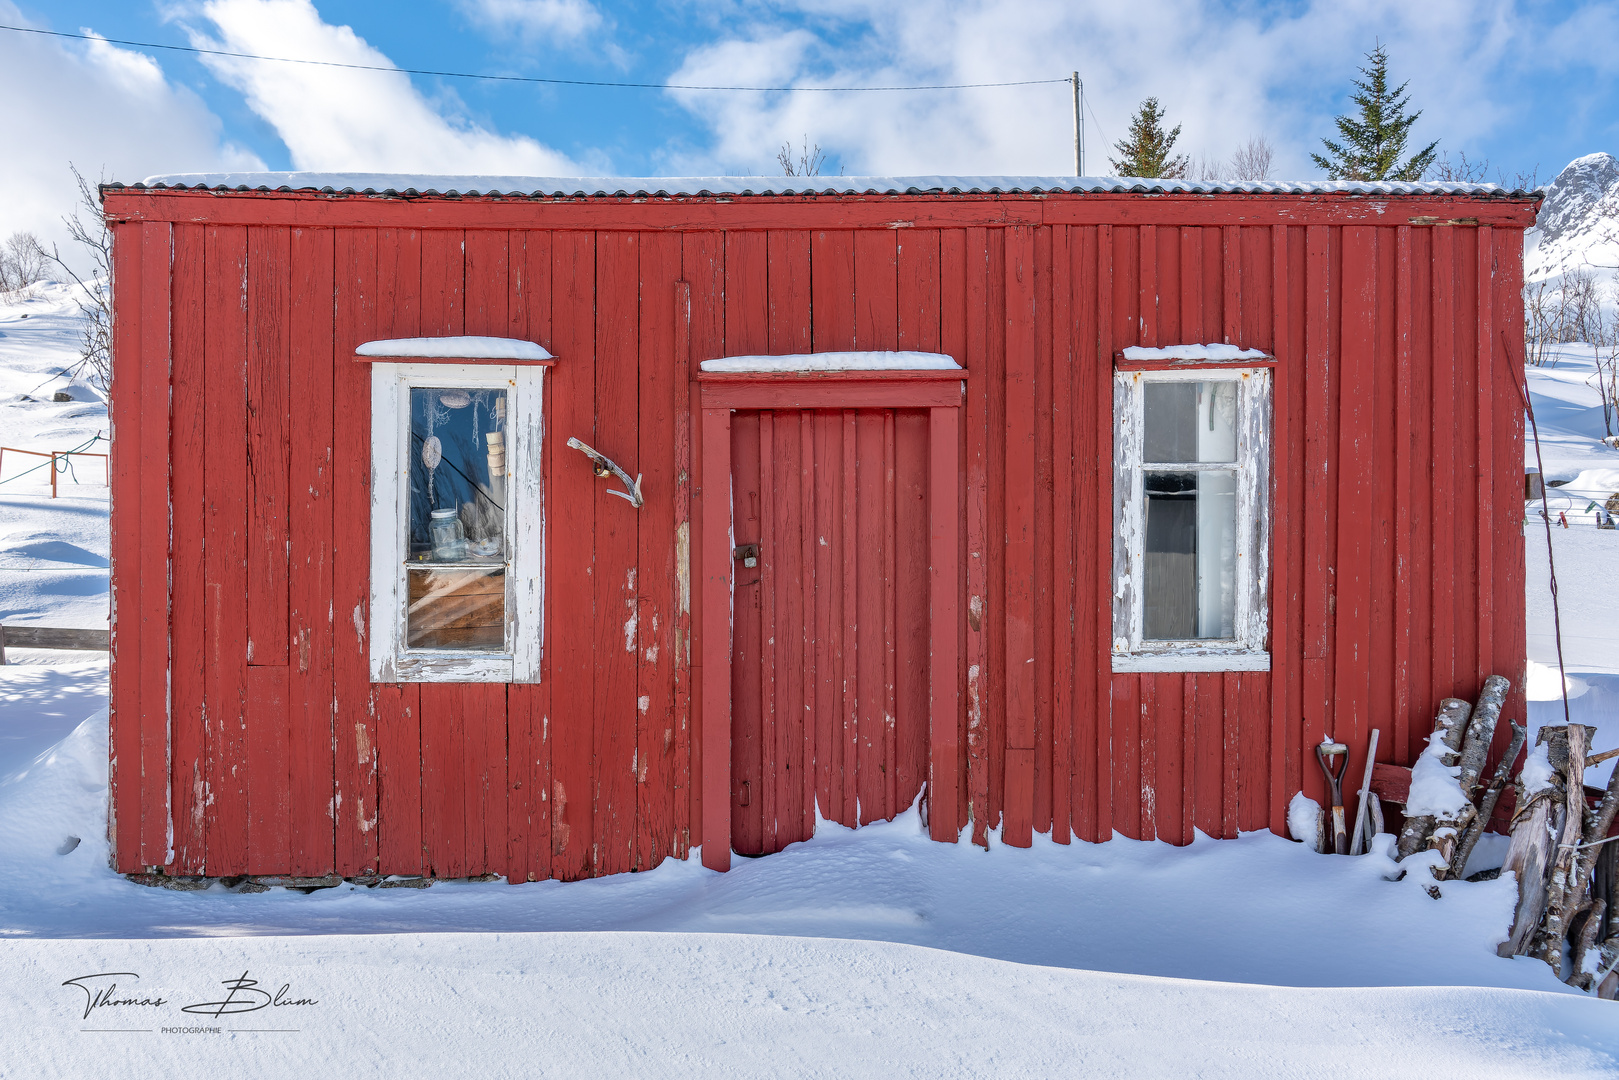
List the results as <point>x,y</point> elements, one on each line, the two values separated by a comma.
<point>829,667</point>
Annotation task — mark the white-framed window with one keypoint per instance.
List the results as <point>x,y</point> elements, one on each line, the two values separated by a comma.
<point>1191,539</point>
<point>457,522</point>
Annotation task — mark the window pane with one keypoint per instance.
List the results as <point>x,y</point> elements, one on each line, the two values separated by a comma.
<point>1190,555</point>
<point>1190,421</point>
<point>455,535</point>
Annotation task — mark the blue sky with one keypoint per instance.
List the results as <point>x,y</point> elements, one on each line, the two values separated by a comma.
<point>1522,83</point>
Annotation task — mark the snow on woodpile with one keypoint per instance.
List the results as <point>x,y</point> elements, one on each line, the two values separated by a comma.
<point>836,361</point>
<point>1434,789</point>
<point>451,348</point>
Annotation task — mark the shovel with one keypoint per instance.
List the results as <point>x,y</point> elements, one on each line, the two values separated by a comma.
<point>1326,752</point>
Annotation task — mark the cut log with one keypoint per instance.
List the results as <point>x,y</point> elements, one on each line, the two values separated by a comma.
<point>1492,796</point>
<point>1481,733</point>
<point>1563,890</point>
<point>1450,727</point>
<point>1528,857</point>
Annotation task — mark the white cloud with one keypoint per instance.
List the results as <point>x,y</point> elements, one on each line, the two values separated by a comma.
<point>338,119</point>
<point>106,109</point>
<point>1224,71</point>
<point>563,19</point>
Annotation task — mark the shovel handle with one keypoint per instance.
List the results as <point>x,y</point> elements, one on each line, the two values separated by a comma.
<point>1340,838</point>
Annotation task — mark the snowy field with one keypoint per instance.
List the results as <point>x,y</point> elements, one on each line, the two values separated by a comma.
<point>869,953</point>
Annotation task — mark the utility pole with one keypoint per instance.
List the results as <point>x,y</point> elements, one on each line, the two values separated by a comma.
<point>1079,127</point>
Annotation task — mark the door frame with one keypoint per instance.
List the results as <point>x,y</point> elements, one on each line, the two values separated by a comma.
<point>720,394</point>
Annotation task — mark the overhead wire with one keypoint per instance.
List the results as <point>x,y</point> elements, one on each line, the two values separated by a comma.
<point>524,78</point>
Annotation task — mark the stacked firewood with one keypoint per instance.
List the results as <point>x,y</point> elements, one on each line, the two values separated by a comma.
<point>1459,747</point>
<point>1568,887</point>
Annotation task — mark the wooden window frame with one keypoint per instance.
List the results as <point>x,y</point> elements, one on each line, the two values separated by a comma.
<point>391,660</point>
<point>1248,649</point>
<point>941,392</point>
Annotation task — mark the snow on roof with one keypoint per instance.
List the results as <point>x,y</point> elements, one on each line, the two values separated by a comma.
<point>450,348</point>
<point>836,361</point>
<point>675,186</point>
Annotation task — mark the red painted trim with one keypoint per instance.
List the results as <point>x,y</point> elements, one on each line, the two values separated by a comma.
<point>716,648</point>
<point>829,395</point>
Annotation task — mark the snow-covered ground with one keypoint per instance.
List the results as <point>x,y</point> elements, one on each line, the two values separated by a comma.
<point>875,952</point>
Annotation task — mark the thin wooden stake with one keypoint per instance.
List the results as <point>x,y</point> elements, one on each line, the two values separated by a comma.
<point>1362,805</point>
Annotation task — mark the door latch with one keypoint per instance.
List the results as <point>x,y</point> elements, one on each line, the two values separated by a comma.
<point>747,555</point>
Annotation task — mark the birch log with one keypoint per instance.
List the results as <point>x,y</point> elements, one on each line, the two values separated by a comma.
<point>1492,796</point>
<point>1481,733</point>
<point>1584,942</point>
<point>1562,888</point>
<point>1450,727</point>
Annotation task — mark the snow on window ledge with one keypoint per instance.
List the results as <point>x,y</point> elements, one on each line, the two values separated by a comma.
<point>1193,353</point>
<point>456,348</point>
<point>836,361</point>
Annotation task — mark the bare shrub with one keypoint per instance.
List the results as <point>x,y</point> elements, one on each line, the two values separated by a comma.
<point>95,296</point>
<point>1582,308</point>
<point>1253,160</point>
<point>1606,376</point>
<point>1459,170</point>
<point>807,161</point>
<point>1543,316</point>
<point>22,262</point>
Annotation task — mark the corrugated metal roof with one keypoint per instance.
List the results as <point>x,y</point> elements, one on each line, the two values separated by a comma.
<point>406,184</point>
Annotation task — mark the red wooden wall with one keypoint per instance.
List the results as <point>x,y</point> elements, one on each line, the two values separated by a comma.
<point>246,737</point>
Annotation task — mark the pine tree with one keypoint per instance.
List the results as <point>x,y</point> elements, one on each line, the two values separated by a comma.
<point>1146,151</point>
<point>1374,141</point>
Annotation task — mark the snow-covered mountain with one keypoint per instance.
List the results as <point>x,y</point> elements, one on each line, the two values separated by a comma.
<point>1578,225</point>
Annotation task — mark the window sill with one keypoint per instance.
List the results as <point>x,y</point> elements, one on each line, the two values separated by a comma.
<point>1192,660</point>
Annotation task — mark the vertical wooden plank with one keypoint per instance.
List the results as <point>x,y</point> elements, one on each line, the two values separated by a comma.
<point>953,342</point>
<point>702,263</point>
<point>1088,657</point>
<point>1044,584</point>
<point>832,290</point>
<point>1485,397</point>
<point>920,311</point>
<point>1230,716</point>
<point>1191,284</point>
<point>225,551</point>
<point>683,773</point>
<point>444,712</point>
<point>1380,524</point>
<point>124,727</point>
<point>401,846</point>
<point>1298,496</point>
<point>716,614</point>
<point>617,539</point>
<point>856,549</point>
<point>1403,468</point>
<point>659,601</point>
<point>1510,632</point>
<point>269,279</point>
<point>810,652</point>
<point>888,761</point>
<point>976,278</point>
<point>787,252</point>
<point>524,730</point>
<point>1018,552</point>
<point>785,550</point>
<point>944,616</point>
<point>747,295</point>
<point>1063,609</point>
<point>572,567</point>
<point>1320,524</point>
<point>1356,467</point>
<point>876,278</point>
<point>995,517</point>
<point>1130,782</point>
<point>751,716</point>
<point>1231,260</point>
<point>1442,454</point>
<point>1147,286</point>
<point>188,762</point>
<point>1099,374</point>
<point>269,411</point>
<point>1284,458</point>
<point>830,554</point>
<point>354,720</point>
<point>309,529</point>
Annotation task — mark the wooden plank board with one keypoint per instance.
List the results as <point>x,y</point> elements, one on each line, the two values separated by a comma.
<point>188,763</point>
<point>310,522</point>
<point>1044,540</point>
<point>1098,372</point>
<point>832,290</point>
<point>919,270</point>
<point>1088,655</point>
<point>750,720</point>
<point>154,552</point>
<point>225,553</point>
<point>944,809</point>
<point>876,294</point>
<point>124,725</point>
<point>716,565</point>
<point>685,811</point>
<point>1356,468</point>
<point>976,271</point>
<point>846,729</point>
<point>1484,454</point>
<point>869,646</point>
<point>1442,456</point>
<point>354,721</point>
<point>658,602</point>
<point>448,711</point>
<point>788,254</point>
<point>1284,665</point>
<point>1062,609</point>
<point>617,540</point>
<point>953,342</point>
<point>1019,549</point>
<point>747,293</point>
<point>269,408</point>
<point>571,565</point>
<point>265,721</point>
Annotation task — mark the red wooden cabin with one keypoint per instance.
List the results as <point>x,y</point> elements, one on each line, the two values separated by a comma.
<point>1067,586</point>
